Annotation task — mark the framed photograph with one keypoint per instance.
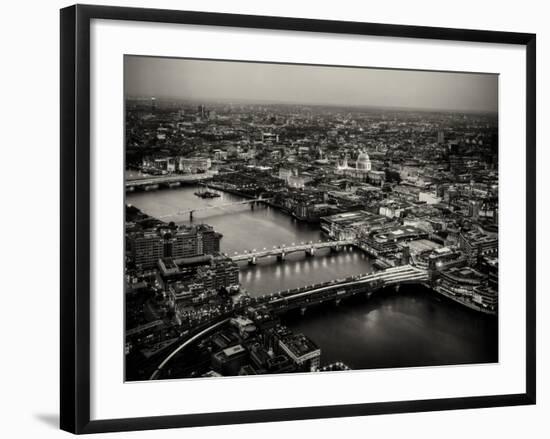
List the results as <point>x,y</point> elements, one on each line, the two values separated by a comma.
<point>274,218</point>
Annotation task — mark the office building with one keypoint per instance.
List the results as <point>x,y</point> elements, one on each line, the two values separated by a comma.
<point>147,247</point>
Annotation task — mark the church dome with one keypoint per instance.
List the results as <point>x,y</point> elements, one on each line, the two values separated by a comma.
<point>363,161</point>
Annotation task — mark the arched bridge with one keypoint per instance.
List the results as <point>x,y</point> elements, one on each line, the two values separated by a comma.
<point>281,251</point>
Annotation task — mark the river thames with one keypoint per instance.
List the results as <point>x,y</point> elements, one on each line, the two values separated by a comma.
<point>414,327</point>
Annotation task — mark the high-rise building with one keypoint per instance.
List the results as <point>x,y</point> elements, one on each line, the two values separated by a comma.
<point>203,113</point>
<point>184,244</point>
<point>210,239</point>
<point>146,248</point>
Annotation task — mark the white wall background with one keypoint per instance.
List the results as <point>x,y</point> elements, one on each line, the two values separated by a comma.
<point>29,248</point>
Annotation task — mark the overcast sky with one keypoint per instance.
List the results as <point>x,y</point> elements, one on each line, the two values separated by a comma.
<point>263,82</point>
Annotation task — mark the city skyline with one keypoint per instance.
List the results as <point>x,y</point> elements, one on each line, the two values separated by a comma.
<point>296,84</point>
<point>270,239</point>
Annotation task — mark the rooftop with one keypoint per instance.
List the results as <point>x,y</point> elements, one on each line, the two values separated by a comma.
<point>299,345</point>
<point>349,218</point>
<point>397,233</point>
<point>233,350</point>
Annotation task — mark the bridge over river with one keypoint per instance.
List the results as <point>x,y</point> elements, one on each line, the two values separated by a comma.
<point>155,182</point>
<point>281,251</point>
<point>301,298</point>
<point>190,211</point>
<point>341,288</point>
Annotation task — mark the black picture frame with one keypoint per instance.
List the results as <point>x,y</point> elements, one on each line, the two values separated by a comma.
<point>75,217</point>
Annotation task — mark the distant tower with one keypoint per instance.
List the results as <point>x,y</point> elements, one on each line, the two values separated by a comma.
<point>440,137</point>
<point>405,255</point>
<point>203,112</point>
<point>473,209</point>
<point>153,105</point>
<point>345,162</point>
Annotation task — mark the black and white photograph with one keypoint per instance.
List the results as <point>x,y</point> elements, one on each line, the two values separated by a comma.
<point>275,220</point>
<point>295,218</point>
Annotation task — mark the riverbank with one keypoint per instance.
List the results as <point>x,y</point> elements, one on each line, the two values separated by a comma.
<point>379,262</point>
<point>245,230</point>
<point>413,327</point>
<point>410,328</point>
<point>267,202</point>
<point>465,303</point>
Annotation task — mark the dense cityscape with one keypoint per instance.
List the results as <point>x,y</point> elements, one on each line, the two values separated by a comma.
<point>414,192</point>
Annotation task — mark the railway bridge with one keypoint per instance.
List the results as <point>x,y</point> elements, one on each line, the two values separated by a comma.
<point>302,298</point>
<point>341,288</point>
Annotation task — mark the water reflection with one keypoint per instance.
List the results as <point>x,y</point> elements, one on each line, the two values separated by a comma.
<point>411,328</point>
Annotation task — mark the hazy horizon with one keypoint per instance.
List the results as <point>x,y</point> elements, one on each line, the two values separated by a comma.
<point>293,84</point>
